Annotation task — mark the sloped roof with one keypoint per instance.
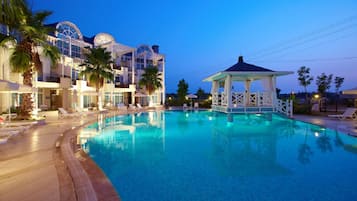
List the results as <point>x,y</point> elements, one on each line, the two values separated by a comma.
<point>53,25</point>
<point>245,67</point>
<point>89,39</point>
<point>243,71</point>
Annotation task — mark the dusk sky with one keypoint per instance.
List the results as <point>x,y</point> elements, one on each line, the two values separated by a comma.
<point>200,38</point>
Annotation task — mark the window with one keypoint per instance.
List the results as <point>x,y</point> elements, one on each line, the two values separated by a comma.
<point>67,30</point>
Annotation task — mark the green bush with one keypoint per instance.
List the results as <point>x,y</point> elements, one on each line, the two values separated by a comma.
<point>302,108</point>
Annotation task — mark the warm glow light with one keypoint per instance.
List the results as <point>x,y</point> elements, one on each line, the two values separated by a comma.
<point>210,98</point>
<point>170,98</point>
<point>316,96</point>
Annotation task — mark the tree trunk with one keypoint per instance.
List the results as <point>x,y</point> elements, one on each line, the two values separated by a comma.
<point>26,105</point>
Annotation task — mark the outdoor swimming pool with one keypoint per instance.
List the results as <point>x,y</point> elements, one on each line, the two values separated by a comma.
<point>179,156</point>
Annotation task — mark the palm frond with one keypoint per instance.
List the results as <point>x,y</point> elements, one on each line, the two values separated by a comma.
<point>20,60</point>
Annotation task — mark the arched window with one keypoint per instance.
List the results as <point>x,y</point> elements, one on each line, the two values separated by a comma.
<point>66,29</point>
<point>144,50</point>
<point>69,35</point>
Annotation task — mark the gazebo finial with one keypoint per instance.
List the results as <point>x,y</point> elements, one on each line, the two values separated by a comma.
<point>240,59</point>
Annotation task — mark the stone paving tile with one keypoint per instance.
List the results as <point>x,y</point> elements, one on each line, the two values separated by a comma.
<point>346,126</point>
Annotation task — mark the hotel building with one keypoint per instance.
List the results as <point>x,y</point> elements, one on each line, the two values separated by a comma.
<point>61,86</point>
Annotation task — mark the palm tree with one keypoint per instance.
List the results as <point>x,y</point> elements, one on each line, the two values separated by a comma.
<point>12,13</point>
<point>151,80</point>
<point>98,68</point>
<point>31,42</point>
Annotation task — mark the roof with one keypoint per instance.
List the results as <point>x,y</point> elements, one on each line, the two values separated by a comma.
<point>53,25</point>
<point>244,67</point>
<point>242,71</point>
<point>89,39</point>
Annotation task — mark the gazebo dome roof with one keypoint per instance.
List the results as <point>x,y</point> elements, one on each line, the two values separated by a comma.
<point>242,71</point>
<point>241,66</point>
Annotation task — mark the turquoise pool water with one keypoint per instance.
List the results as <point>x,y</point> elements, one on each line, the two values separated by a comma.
<point>196,156</point>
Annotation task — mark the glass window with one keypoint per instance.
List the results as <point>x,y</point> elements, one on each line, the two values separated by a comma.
<point>67,30</point>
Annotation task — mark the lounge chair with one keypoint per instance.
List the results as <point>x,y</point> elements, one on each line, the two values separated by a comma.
<point>185,106</point>
<point>62,113</point>
<point>138,105</point>
<point>5,135</point>
<point>195,105</point>
<point>121,106</point>
<point>8,116</point>
<point>132,107</point>
<point>349,113</point>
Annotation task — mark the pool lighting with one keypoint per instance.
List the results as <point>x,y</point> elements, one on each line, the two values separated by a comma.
<point>210,118</point>
<point>317,134</point>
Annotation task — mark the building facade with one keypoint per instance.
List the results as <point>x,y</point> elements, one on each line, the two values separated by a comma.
<point>61,86</point>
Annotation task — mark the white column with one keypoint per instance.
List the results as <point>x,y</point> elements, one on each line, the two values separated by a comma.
<point>228,90</point>
<point>214,90</point>
<point>62,62</point>
<point>273,84</point>
<point>247,91</point>
<point>100,102</point>
<point>133,67</point>
<point>163,82</point>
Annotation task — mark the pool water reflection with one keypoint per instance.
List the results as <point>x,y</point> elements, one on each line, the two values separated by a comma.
<point>177,155</point>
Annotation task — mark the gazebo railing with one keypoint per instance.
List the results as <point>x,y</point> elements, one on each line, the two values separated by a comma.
<point>256,99</point>
<point>240,99</point>
<point>285,107</point>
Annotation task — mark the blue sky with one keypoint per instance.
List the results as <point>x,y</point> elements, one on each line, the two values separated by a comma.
<point>200,38</point>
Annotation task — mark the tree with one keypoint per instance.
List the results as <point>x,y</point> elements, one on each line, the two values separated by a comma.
<point>97,68</point>
<point>338,84</point>
<point>12,13</point>
<point>304,79</point>
<point>200,93</point>
<point>32,42</point>
<point>323,83</point>
<point>182,89</point>
<point>151,80</point>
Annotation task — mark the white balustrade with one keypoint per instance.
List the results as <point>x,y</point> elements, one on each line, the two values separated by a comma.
<point>256,99</point>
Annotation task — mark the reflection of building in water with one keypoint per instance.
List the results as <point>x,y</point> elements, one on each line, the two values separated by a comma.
<point>124,137</point>
<point>246,152</point>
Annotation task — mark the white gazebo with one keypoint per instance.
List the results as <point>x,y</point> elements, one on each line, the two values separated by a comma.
<point>229,101</point>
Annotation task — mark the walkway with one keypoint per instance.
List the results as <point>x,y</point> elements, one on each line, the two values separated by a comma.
<point>27,163</point>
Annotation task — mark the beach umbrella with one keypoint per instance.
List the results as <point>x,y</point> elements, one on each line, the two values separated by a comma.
<point>191,96</point>
<point>12,87</point>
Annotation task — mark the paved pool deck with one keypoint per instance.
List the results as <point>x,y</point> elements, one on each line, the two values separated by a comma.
<point>347,126</point>
<point>33,168</point>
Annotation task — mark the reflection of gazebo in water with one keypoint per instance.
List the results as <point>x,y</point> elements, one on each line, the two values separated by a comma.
<point>230,101</point>
<point>246,154</point>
